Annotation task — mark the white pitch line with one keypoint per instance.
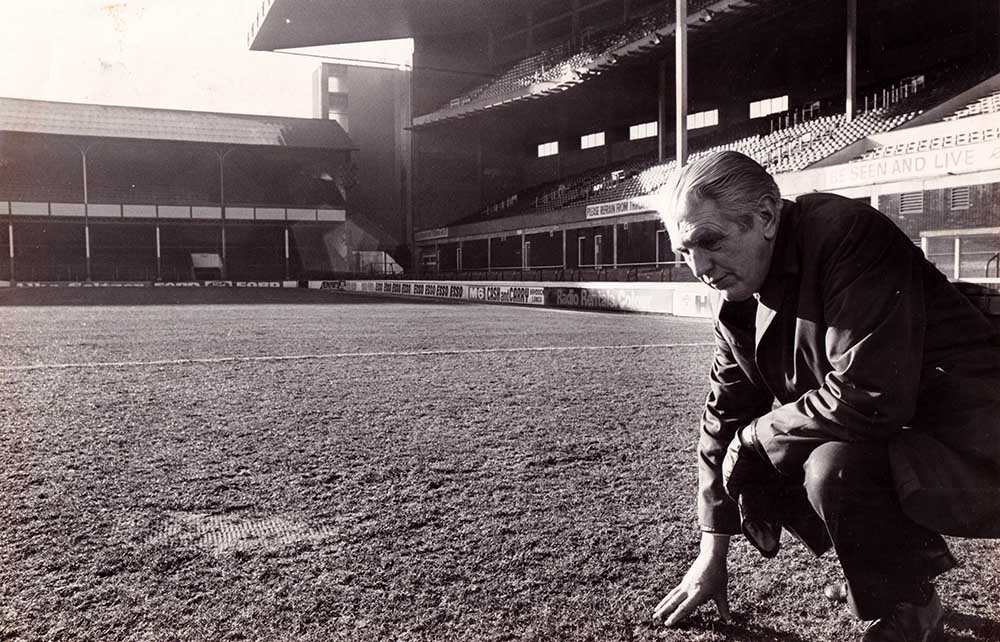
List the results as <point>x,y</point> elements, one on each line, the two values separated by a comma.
<point>340,355</point>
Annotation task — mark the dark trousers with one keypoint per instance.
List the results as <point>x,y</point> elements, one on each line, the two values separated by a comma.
<point>846,499</point>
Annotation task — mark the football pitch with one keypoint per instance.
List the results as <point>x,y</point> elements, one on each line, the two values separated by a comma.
<point>318,466</point>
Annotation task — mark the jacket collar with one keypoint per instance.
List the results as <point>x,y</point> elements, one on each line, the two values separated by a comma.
<point>785,258</point>
<point>784,264</point>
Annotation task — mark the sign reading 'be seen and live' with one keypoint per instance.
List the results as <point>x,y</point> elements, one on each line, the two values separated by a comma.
<point>956,160</point>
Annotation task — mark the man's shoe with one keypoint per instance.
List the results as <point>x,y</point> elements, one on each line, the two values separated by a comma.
<point>908,623</point>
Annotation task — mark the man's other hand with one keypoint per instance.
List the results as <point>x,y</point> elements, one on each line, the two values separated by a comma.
<point>707,579</point>
<point>743,466</point>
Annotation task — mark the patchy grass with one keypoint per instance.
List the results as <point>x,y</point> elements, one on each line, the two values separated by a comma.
<point>467,496</point>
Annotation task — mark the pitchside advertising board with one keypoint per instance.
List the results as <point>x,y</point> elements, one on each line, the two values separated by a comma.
<point>336,286</point>
<point>680,299</point>
<point>610,299</point>
<point>525,295</point>
<point>155,284</point>
<point>226,284</point>
<point>683,301</point>
<point>491,293</point>
<point>82,284</point>
<point>695,301</point>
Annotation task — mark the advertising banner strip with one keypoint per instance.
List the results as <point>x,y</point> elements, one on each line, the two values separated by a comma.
<point>616,208</point>
<point>420,288</point>
<point>221,284</point>
<point>976,157</point>
<point>430,235</point>
<point>82,284</point>
<point>679,299</point>
<point>955,160</point>
<point>328,285</point>
<point>524,295</point>
<point>156,284</point>
<point>612,299</point>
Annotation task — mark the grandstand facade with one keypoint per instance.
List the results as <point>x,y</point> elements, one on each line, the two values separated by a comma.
<point>103,193</point>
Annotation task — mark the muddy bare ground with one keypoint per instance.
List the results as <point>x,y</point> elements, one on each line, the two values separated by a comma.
<point>400,494</point>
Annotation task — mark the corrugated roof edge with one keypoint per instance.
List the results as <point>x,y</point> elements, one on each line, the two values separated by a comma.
<point>50,117</point>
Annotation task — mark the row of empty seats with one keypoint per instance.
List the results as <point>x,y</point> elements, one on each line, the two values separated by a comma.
<point>784,150</point>
<point>521,74</point>
<point>989,104</point>
<point>35,184</point>
<point>18,184</point>
<point>933,143</point>
<point>597,184</point>
<point>814,146</point>
<point>561,62</point>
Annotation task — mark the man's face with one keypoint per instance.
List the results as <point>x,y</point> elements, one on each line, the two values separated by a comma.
<point>719,252</point>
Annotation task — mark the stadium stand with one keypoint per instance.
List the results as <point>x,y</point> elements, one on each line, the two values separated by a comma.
<point>571,62</point>
<point>162,185</point>
<point>784,149</point>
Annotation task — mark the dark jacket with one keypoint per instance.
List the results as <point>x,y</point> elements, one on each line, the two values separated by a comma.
<point>854,336</point>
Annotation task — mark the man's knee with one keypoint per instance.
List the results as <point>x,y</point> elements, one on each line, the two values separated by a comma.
<point>835,468</point>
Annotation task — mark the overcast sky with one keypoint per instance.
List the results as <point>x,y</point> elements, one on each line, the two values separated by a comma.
<point>176,54</point>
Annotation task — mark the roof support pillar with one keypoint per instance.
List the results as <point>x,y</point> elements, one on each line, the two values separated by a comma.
<point>852,59</point>
<point>563,249</point>
<point>10,240</point>
<point>222,206</point>
<point>661,114</point>
<point>529,41</point>
<point>575,23</point>
<point>288,273</point>
<point>86,212</point>
<point>159,255</point>
<point>614,245</point>
<point>681,81</point>
<point>957,267</point>
<point>481,166</point>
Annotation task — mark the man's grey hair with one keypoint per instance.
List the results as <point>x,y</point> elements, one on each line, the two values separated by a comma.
<point>734,181</point>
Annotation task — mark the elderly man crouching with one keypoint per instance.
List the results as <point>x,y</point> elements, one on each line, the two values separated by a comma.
<point>854,400</point>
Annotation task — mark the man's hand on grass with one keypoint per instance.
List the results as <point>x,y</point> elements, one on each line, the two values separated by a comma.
<point>706,580</point>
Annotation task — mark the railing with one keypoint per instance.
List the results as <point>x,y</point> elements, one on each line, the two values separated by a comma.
<point>973,252</point>
<point>995,257</point>
<point>663,270</point>
<point>161,212</point>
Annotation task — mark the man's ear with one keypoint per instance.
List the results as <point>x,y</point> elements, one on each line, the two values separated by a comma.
<point>768,215</point>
